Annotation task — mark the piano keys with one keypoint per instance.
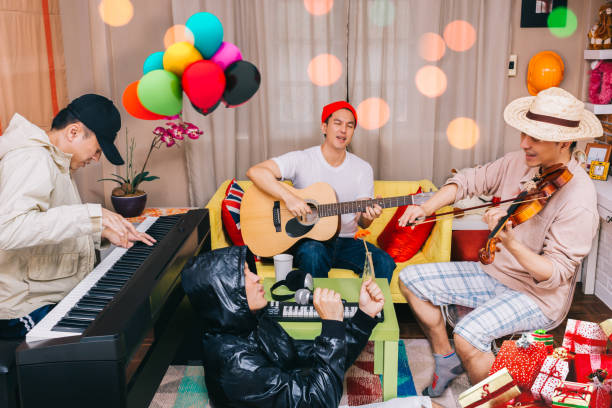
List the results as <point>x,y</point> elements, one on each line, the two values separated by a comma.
<point>292,312</point>
<point>103,343</point>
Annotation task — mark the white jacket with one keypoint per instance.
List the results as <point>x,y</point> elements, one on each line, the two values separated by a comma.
<point>47,236</point>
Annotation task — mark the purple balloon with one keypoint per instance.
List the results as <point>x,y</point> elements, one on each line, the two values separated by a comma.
<point>226,54</point>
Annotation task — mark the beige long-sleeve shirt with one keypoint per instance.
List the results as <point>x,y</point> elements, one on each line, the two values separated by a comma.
<point>563,231</point>
<point>47,236</point>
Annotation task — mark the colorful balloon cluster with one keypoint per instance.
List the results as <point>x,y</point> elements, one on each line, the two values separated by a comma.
<point>209,71</point>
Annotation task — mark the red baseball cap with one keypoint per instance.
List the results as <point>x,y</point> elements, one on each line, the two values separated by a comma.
<point>334,106</point>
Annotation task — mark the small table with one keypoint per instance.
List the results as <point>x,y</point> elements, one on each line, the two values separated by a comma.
<point>385,335</point>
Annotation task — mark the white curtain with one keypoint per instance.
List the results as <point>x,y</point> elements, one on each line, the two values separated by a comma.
<point>380,59</point>
<point>383,63</point>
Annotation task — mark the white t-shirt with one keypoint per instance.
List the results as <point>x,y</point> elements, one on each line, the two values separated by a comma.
<point>352,180</point>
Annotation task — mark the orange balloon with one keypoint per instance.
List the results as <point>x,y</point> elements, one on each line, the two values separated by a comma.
<point>132,104</point>
<point>545,70</point>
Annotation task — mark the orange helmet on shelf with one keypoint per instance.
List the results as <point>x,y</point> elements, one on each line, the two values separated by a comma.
<point>544,71</point>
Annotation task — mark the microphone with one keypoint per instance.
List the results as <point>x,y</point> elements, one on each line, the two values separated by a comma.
<point>305,297</point>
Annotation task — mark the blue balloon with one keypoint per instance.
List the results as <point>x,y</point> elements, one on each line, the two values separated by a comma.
<point>153,62</point>
<point>207,32</point>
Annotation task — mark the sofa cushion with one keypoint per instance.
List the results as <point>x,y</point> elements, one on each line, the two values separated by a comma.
<point>435,249</point>
<point>402,243</point>
<point>230,212</point>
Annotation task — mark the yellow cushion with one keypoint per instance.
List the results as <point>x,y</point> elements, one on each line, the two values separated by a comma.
<point>436,248</point>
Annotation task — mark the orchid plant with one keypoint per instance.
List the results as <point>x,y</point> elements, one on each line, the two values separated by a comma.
<point>170,135</point>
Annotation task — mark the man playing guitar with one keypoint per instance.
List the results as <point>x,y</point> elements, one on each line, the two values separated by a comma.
<point>530,279</point>
<point>351,178</point>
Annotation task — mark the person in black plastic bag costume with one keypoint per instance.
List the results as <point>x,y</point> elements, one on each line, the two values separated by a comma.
<point>249,359</point>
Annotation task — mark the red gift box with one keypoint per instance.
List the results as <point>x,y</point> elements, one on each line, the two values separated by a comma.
<point>584,337</point>
<point>586,364</point>
<point>525,400</point>
<point>523,360</point>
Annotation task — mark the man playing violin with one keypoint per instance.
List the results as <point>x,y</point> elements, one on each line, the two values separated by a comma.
<point>527,284</point>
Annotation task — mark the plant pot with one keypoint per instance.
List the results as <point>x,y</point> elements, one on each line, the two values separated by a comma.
<point>129,206</point>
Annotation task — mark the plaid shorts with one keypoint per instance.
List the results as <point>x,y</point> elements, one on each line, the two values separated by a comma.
<point>498,310</point>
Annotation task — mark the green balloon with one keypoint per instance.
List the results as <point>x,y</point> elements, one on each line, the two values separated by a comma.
<point>160,92</point>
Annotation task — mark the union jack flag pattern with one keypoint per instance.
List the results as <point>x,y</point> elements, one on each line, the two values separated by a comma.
<point>230,212</point>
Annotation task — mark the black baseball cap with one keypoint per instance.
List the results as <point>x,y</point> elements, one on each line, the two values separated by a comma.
<point>101,116</point>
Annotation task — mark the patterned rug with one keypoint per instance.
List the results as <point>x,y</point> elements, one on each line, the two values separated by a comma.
<point>183,386</point>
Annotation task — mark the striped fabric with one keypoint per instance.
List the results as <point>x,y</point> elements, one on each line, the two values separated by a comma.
<point>498,310</point>
<point>230,212</point>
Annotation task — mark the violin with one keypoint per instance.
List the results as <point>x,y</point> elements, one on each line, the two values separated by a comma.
<point>521,210</point>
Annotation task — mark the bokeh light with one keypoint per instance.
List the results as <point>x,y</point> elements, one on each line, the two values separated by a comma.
<point>318,7</point>
<point>324,69</point>
<point>430,81</point>
<point>431,47</point>
<point>178,33</point>
<point>116,13</point>
<point>372,113</point>
<point>462,133</point>
<point>562,22</point>
<point>459,35</point>
<point>381,12</point>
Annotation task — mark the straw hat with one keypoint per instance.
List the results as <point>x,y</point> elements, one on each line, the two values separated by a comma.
<point>553,115</point>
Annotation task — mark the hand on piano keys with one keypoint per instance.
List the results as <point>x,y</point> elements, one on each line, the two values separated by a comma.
<point>121,232</point>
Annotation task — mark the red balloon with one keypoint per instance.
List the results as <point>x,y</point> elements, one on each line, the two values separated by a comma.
<point>203,82</point>
<point>132,104</point>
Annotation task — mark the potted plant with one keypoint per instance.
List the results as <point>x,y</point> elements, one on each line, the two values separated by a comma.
<point>128,199</point>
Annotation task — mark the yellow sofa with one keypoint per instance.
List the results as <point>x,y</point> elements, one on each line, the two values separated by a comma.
<point>437,248</point>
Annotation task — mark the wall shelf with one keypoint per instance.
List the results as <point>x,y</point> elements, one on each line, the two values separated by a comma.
<point>598,109</point>
<point>598,54</point>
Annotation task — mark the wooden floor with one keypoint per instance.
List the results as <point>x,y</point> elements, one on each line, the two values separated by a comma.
<point>584,307</point>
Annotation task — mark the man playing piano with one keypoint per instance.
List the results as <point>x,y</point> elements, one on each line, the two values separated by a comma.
<point>47,236</point>
<point>249,359</point>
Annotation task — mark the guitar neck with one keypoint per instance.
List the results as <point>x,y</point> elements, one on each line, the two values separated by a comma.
<point>348,207</point>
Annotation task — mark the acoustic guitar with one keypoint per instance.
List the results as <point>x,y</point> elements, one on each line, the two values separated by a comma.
<point>268,228</point>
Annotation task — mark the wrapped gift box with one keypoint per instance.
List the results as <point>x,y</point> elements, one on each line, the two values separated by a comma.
<point>523,360</point>
<point>585,364</point>
<point>494,391</point>
<point>525,400</point>
<point>584,337</point>
<point>552,374</point>
<point>606,326</point>
<point>543,337</point>
<point>601,397</point>
<point>573,395</point>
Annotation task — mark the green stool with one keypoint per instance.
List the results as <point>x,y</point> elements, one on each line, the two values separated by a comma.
<point>385,335</point>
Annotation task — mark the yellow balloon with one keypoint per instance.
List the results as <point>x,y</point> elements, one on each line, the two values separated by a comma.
<point>179,55</point>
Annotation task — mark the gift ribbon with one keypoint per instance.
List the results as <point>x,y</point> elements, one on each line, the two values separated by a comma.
<point>554,373</point>
<point>574,391</point>
<point>580,339</point>
<point>487,395</point>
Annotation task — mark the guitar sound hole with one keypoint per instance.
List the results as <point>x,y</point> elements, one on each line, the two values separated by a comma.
<point>309,219</point>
